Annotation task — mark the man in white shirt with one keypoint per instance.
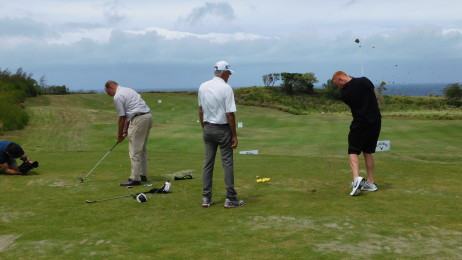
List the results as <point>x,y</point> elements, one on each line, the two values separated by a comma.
<point>135,121</point>
<point>216,114</point>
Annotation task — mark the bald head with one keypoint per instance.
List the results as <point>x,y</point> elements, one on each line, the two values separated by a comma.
<point>340,78</point>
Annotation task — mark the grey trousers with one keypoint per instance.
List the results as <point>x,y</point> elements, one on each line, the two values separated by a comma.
<point>214,137</point>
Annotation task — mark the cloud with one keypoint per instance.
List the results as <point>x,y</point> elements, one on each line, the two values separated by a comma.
<point>146,46</point>
<point>220,12</point>
<point>14,27</point>
<point>112,12</point>
<point>350,3</point>
<point>147,58</point>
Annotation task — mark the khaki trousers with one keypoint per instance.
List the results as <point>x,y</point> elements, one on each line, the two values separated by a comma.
<point>138,134</point>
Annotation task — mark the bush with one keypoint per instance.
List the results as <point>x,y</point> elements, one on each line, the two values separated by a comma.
<point>453,91</point>
<point>14,89</point>
<point>12,117</point>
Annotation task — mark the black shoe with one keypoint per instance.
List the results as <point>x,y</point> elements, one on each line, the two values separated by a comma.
<point>144,178</point>
<point>130,182</point>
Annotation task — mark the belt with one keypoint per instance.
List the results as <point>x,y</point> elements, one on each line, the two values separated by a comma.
<point>207,123</point>
<point>140,114</point>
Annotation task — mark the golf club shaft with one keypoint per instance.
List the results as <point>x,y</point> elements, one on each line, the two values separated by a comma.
<point>88,174</point>
<point>93,201</point>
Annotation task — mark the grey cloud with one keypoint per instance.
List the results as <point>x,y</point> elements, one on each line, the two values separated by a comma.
<point>112,12</point>
<point>422,53</point>
<point>73,26</point>
<point>23,27</point>
<point>350,3</point>
<point>222,10</point>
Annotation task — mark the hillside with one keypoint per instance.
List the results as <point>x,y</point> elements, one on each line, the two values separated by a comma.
<point>391,106</point>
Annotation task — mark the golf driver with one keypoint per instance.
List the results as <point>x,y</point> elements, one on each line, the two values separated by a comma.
<point>140,197</point>
<point>82,179</point>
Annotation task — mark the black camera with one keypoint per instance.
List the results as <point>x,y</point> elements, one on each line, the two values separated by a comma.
<point>25,167</point>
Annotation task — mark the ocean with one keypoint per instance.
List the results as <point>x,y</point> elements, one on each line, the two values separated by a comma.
<point>419,90</point>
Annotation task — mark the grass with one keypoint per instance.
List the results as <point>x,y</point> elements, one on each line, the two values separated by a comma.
<point>304,212</point>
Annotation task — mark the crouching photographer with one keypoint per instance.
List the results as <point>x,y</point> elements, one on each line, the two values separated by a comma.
<point>9,152</point>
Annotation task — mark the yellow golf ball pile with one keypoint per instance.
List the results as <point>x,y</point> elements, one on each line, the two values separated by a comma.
<point>262,179</point>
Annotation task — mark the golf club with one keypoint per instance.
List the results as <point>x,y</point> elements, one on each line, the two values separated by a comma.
<point>140,197</point>
<point>82,179</point>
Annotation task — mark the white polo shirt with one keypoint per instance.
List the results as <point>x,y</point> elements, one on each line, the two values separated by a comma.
<point>216,98</point>
<point>129,103</point>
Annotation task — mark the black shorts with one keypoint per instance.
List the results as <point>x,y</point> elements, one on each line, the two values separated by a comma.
<point>363,137</point>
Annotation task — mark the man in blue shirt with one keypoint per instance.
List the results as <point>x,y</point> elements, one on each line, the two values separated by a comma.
<point>9,152</point>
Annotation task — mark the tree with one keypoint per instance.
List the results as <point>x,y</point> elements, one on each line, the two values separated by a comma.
<point>298,83</point>
<point>332,90</point>
<point>308,81</point>
<point>378,93</point>
<point>43,81</point>
<point>382,87</point>
<point>56,90</point>
<point>270,79</point>
<point>453,91</point>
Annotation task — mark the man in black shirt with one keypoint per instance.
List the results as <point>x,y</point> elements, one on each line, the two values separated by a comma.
<point>359,95</point>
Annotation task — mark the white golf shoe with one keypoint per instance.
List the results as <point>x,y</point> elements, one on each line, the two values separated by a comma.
<point>369,187</point>
<point>357,184</point>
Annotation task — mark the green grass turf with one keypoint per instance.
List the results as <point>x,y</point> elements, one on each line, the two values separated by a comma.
<point>304,212</point>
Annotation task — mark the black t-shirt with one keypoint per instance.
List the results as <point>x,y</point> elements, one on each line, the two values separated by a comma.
<point>359,95</point>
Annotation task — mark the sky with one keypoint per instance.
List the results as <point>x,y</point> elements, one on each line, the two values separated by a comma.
<point>173,45</point>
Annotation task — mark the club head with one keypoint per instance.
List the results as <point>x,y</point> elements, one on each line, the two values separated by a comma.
<point>89,201</point>
<point>81,179</point>
<point>141,198</point>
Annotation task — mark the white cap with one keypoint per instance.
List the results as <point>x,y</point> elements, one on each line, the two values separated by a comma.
<point>222,65</point>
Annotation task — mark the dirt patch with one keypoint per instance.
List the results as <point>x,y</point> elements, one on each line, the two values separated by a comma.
<point>282,222</point>
<point>409,243</point>
<point>6,240</point>
<point>362,241</point>
<point>60,184</point>
<point>7,217</point>
<point>182,172</point>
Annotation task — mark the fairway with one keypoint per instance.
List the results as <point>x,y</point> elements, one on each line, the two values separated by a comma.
<point>304,212</point>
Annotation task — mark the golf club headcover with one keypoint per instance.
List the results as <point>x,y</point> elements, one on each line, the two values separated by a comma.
<point>166,187</point>
<point>185,177</point>
<point>141,198</point>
